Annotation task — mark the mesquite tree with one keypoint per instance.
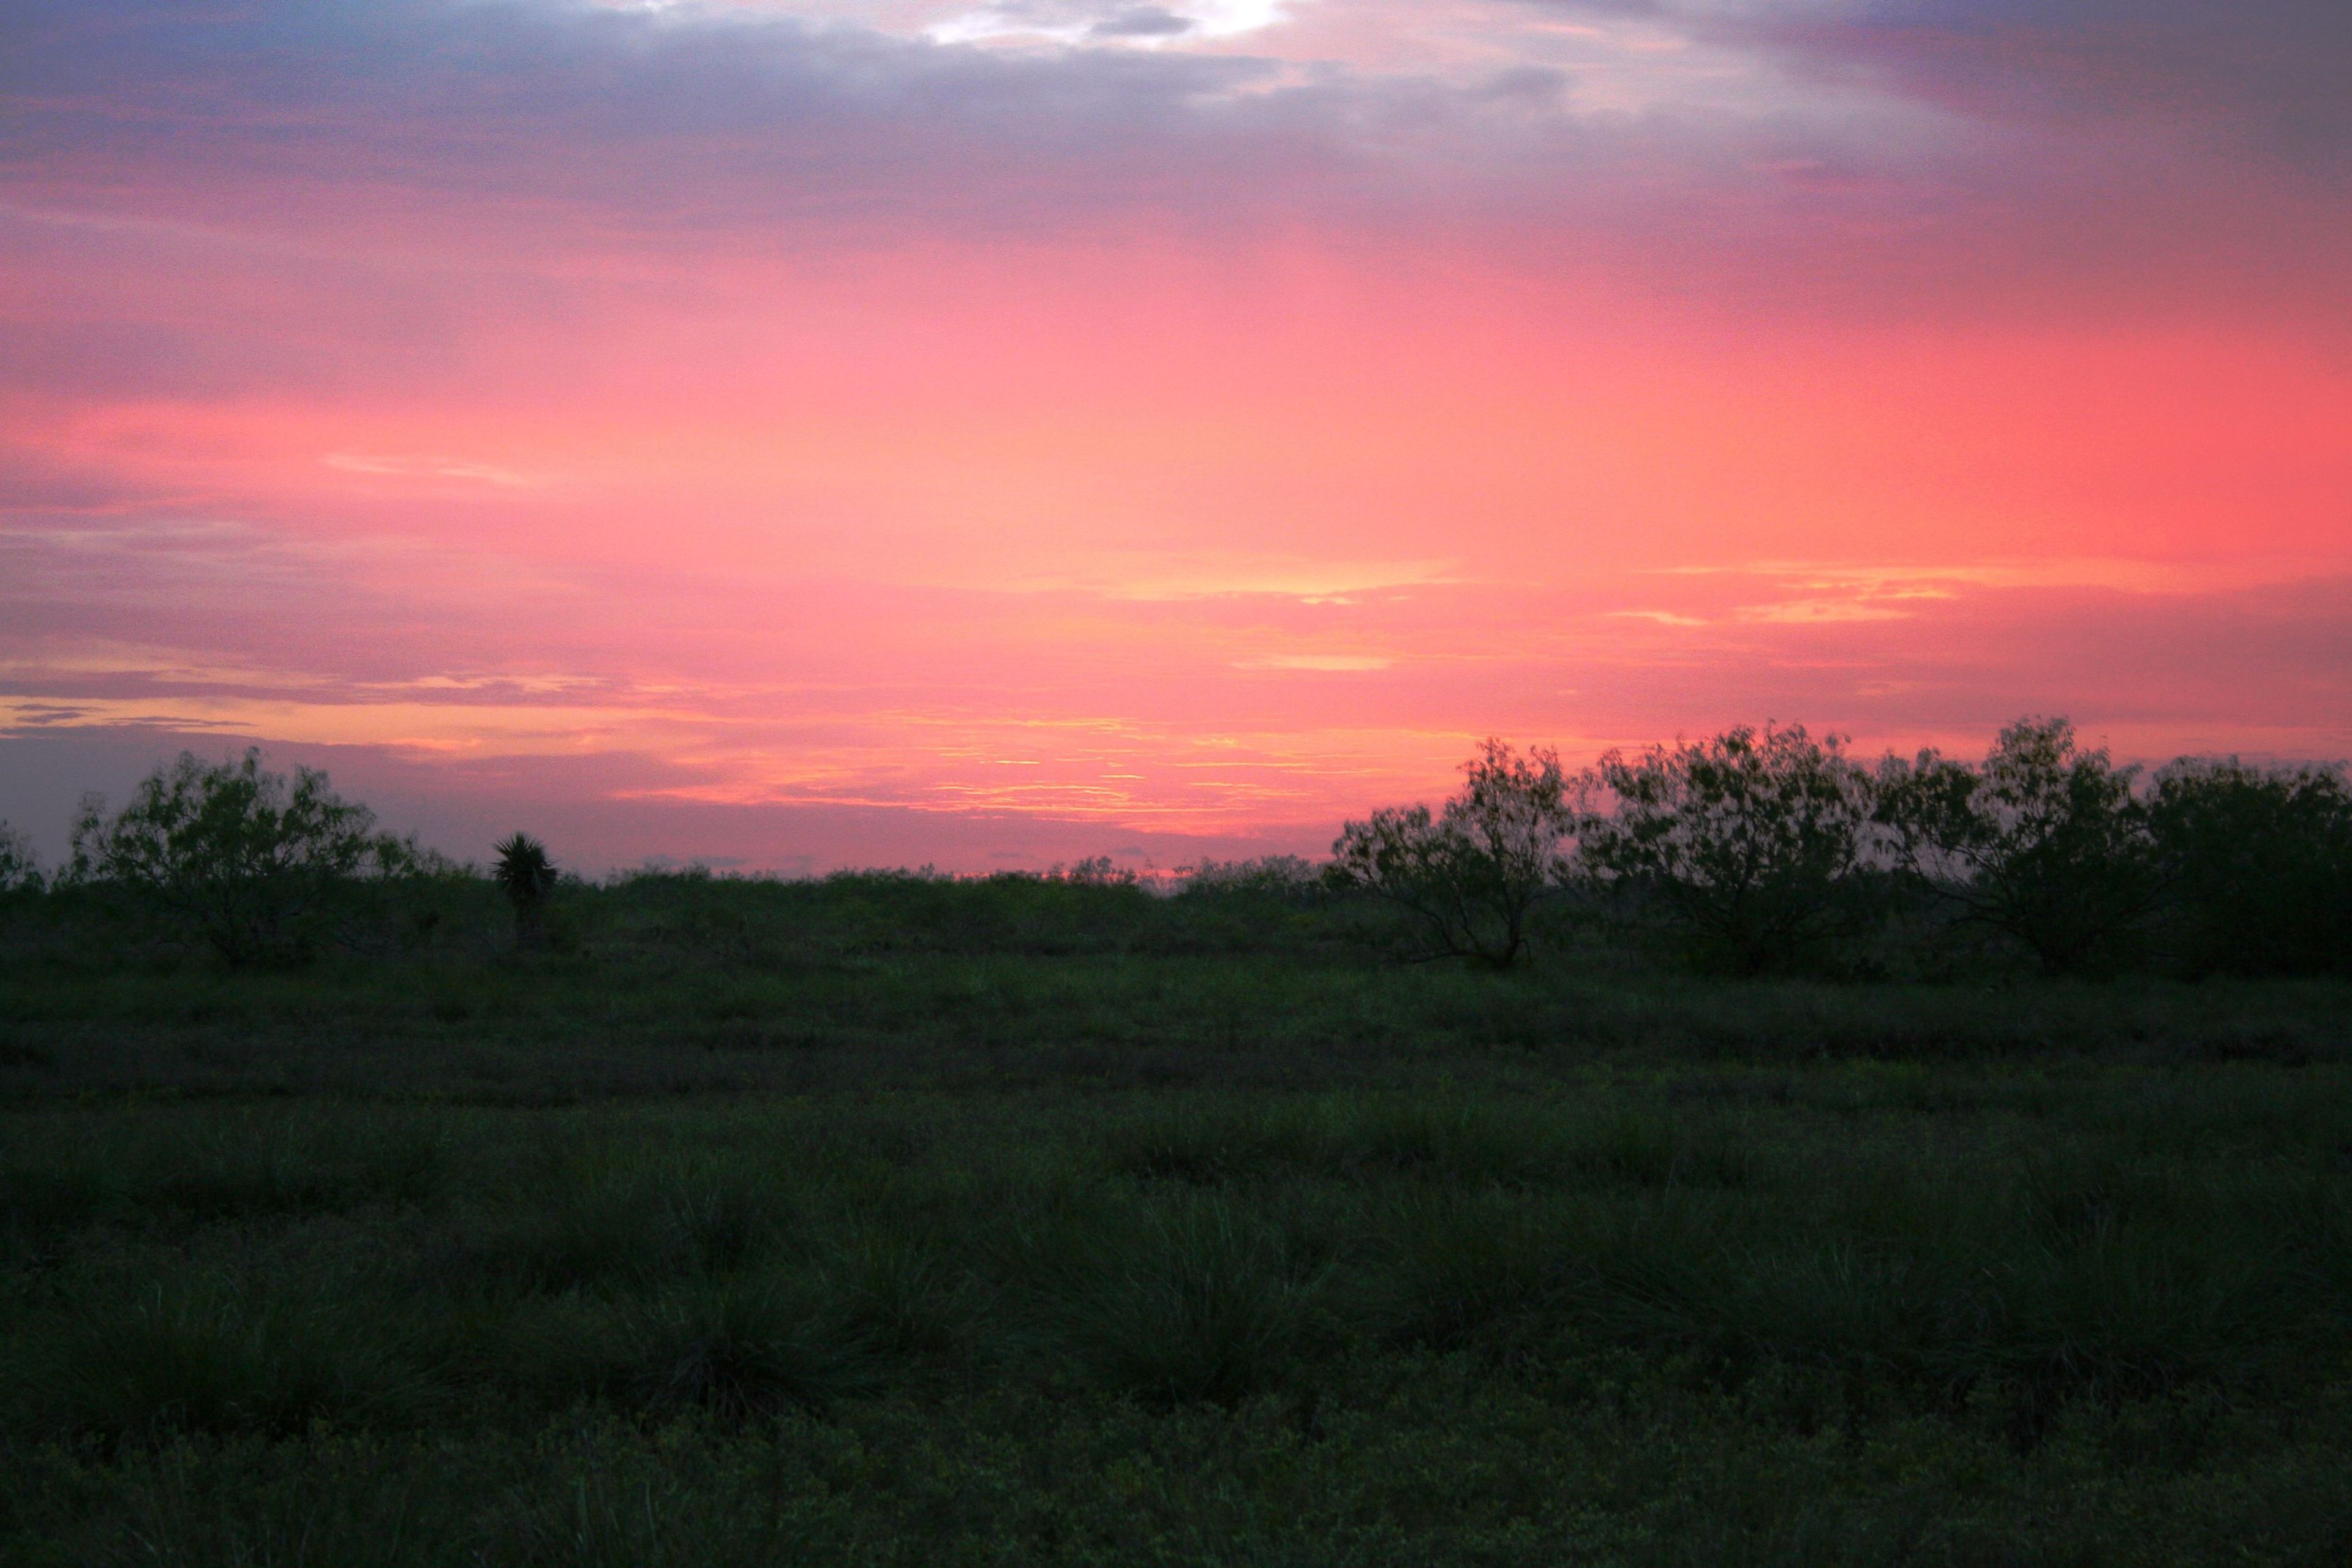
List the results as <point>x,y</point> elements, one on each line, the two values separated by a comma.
<point>1746,843</point>
<point>243,859</point>
<point>2045,841</point>
<point>1472,873</point>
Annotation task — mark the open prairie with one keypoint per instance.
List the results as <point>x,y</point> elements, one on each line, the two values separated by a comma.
<point>1023,1222</point>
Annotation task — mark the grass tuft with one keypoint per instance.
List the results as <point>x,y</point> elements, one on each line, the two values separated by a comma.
<point>740,1350</point>
<point>217,1354</point>
<point>1184,1302</point>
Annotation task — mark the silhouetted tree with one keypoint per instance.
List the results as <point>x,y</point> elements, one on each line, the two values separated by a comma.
<point>2258,865</point>
<point>2045,841</point>
<point>527,877</point>
<point>1746,843</point>
<point>1096,871</point>
<point>20,869</point>
<point>1472,874</point>
<point>241,856</point>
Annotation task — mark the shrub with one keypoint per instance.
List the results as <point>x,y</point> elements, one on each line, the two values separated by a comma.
<point>1749,843</point>
<point>2259,865</point>
<point>1470,875</point>
<point>2046,841</point>
<point>241,858</point>
<point>1096,871</point>
<point>1290,878</point>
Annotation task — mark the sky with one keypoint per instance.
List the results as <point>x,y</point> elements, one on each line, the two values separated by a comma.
<point>792,434</point>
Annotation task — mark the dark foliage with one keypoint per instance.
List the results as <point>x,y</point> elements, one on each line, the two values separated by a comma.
<point>235,855</point>
<point>1751,845</point>
<point>2257,865</point>
<point>1752,852</point>
<point>2045,841</point>
<point>1469,877</point>
<point>526,875</point>
<point>20,868</point>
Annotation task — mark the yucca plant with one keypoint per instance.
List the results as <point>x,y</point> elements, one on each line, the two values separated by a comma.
<point>527,876</point>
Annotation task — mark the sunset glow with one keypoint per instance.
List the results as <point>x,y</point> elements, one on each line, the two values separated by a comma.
<point>796,435</point>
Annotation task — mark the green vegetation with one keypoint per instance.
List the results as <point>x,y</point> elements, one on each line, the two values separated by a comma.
<point>247,861</point>
<point>899,1219</point>
<point>890,1220</point>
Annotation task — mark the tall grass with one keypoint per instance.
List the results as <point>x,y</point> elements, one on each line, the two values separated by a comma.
<point>1193,1247</point>
<point>1447,1296</point>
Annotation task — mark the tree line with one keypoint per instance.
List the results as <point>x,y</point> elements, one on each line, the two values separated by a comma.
<point>1755,851</point>
<point>1765,850</point>
<point>255,865</point>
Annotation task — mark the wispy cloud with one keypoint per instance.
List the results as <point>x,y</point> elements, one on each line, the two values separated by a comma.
<point>435,467</point>
<point>1334,663</point>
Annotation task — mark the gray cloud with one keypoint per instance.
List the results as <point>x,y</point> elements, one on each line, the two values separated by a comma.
<point>689,121</point>
<point>2277,73</point>
<point>570,126</point>
<point>1141,22</point>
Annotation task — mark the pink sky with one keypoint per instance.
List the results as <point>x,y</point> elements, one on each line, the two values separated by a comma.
<point>878,431</point>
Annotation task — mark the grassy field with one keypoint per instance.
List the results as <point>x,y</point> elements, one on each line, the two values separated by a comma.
<point>1087,1251</point>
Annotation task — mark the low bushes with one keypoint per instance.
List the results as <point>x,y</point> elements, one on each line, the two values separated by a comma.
<point>1754,852</point>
